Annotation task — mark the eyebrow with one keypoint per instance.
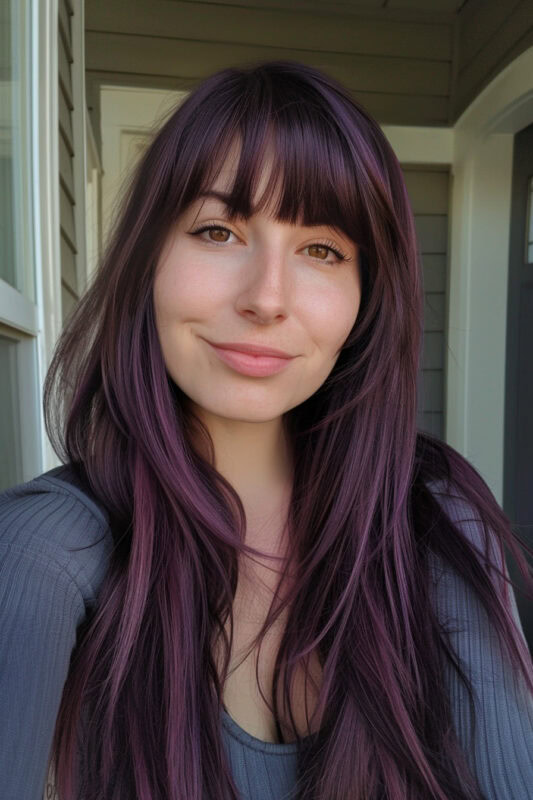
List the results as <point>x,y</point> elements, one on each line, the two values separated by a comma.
<point>224,198</point>
<point>218,195</point>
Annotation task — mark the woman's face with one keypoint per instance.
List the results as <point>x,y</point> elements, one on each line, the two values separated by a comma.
<point>255,281</point>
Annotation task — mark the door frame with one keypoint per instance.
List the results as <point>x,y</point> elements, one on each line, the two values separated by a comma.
<point>479,267</point>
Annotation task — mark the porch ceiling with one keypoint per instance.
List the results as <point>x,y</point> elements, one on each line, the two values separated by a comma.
<point>410,62</point>
<point>429,7</point>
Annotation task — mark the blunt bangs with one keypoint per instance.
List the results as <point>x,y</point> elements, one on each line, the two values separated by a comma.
<point>313,175</point>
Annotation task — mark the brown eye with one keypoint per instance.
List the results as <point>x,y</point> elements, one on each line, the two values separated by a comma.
<point>219,234</point>
<point>321,251</point>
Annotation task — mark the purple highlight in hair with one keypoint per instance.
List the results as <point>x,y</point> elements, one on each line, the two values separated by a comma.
<point>143,681</point>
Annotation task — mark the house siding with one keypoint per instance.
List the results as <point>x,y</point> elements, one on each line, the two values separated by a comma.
<point>67,154</point>
<point>429,193</point>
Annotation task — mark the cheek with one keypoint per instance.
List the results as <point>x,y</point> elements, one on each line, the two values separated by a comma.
<point>180,293</point>
<point>331,315</point>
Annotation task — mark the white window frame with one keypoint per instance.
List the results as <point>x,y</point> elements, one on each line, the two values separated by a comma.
<point>37,325</point>
<point>19,310</point>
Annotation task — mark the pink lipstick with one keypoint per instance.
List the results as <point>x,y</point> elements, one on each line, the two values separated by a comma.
<point>248,364</point>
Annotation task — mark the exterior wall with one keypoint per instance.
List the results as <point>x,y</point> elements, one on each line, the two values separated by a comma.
<point>479,150</point>
<point>72,172</point>
<point>429,192</point>
<point>479,263</point>
<point>93,201</point>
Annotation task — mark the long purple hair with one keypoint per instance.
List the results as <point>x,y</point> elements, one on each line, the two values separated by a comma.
<point>363,520</point>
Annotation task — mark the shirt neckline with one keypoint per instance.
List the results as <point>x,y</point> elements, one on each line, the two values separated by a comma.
<point>279,748</point>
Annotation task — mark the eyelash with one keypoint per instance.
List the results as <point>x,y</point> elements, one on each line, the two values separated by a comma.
<point>329,245</point>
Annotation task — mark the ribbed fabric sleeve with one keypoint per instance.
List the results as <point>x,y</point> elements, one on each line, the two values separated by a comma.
<point>44,591</point>
<point>46,588</point>
<point>501,751</point>
<point>41,606</point>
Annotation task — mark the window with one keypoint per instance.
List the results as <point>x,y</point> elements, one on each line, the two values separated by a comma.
<point>19,443</point>
<point>16,228</point>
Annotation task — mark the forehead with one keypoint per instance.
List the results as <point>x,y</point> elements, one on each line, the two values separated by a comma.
<point>265,192</point>
<point>220,200</point>
<point>280,178</point>
<point>268,185</point>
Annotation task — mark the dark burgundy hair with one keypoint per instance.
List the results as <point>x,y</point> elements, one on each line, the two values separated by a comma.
<point>364,521</point>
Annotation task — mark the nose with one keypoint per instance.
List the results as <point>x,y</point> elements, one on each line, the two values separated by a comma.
<point>265,290</point>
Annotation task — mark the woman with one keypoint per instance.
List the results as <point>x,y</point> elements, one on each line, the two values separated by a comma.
<point>253,576</point>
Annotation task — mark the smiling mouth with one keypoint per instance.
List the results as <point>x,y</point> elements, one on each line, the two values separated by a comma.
<point>253,349</point>
<point>258,366</point>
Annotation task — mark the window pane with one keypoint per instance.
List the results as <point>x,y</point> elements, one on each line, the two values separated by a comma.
<point>10,440</point>
<point>16,241</point>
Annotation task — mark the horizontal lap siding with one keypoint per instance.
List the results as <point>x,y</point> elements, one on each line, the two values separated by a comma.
<point>68,238</point>
<point>428,190</point>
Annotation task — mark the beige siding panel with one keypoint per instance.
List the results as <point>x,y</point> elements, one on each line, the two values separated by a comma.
<point>432,421</point>
<point>434,311</point>
<point>64,23</point>
<point>432,232</point>
<point>68,301</point>
<point>428,190</point>
<point>434,272</point>
<point>65,80</point>
<point>511,37</point>
<point>69,280</point>
<point>433,389</point>
<point>433,350</point>
<point>64,35</point>
<point>67,191</point>
<point>65,167</point>
<point>65,122</point>
<point>68,265</point>
<point>286,28</point>
<point>166,56</point>
<point>66,212</point>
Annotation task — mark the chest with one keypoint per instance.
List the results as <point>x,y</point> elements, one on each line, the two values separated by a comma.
<point>241,695</point>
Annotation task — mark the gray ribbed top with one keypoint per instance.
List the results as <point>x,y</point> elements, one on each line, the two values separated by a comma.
<point>45,591</point>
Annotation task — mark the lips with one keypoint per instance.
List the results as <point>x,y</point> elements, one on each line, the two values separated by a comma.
<point>252,349</point>
<point>251,364</point>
